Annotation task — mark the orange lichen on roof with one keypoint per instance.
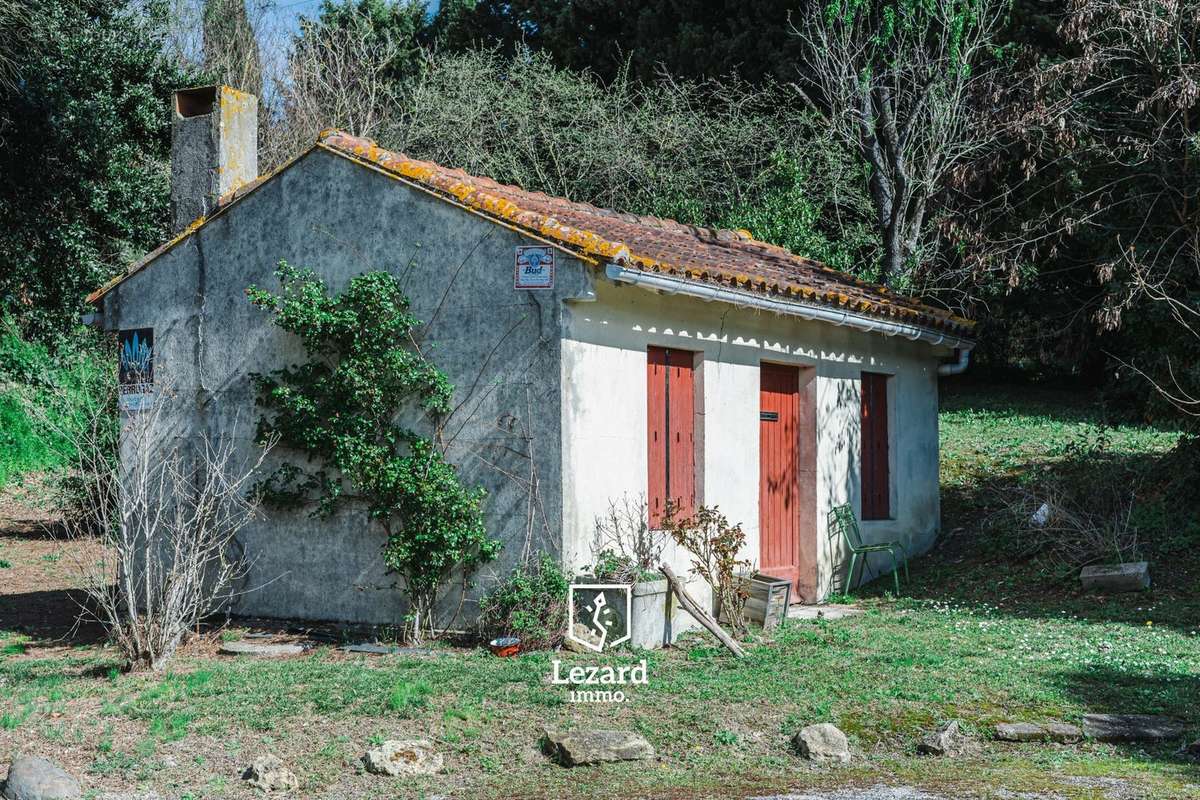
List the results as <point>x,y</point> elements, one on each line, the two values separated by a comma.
<point>704,255</point>
<point>733,259</point>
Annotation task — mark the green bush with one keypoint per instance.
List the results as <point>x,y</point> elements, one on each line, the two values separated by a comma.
<point>352,413</point>
<point>531,604</point>
<point>47,392</point>
<point>87,137</point>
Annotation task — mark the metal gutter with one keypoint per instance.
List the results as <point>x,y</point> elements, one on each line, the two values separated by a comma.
<point>672,285</point>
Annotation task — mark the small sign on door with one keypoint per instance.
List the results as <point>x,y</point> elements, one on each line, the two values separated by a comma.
<point>535,268</point>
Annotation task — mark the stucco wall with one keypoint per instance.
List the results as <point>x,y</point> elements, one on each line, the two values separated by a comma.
<point>498,345</point>
<point>604,427</point>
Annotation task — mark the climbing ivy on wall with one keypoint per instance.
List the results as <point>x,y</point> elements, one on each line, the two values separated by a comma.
<point>343,410</point>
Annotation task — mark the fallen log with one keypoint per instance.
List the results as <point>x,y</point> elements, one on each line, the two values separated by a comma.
<point>703,617</point>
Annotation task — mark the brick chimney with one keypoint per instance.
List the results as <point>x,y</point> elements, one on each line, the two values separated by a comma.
<point>214,149</point>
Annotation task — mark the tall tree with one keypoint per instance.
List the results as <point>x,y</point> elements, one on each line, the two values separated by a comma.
<point>900,81</point>
<point>346,68</point>
<point>15,18</point>
<point>230,46</point>
<point>685,38</point>
<point>1104,208</point>
<point>400,28</point>
<point>86,135</point>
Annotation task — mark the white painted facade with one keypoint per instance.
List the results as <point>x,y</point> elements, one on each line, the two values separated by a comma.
<point>605,428</point>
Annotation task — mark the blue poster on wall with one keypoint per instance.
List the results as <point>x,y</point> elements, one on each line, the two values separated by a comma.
<point>535,268</point>
<point>136,373</point>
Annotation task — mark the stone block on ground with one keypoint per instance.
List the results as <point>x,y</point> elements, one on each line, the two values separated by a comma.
<point>829,613</point>
<point>948,740</point>
<point>1060,732</point>
<point>583,633</point>
<point>577,748</point>
<point>1131,727</point>
<point>822,742</point>
<point>36,778</point>
<point>260,649</point>
<point>271,775</point>
<point>1063,732</point>
<point>1019,732</point>
<point>1132,577</point>
<point>407,757</point>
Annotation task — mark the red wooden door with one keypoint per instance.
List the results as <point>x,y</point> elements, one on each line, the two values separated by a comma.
<point>779,497</point>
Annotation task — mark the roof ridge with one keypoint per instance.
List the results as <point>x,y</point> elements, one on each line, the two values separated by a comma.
<point>338,138</point>
<point>492,200</point>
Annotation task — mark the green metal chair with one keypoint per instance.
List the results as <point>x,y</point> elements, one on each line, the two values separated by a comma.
<point>843,523</point>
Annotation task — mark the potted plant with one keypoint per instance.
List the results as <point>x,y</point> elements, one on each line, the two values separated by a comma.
<point>714,545</point>
<point>627,550</point>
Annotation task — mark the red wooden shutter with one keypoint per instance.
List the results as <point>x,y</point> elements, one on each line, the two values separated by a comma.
<point>671,451</point>
<point>681,477</point>
<point>875,479</point>
<point>656,433</point>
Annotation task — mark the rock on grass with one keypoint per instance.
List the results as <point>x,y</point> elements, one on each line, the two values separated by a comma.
<point>35,778</point>
<point>822,742</point>
<point>406,757</point>
<point>949,740</point>
<point>269,774</point>
<point>1060,732</point>
<point>577,748</point>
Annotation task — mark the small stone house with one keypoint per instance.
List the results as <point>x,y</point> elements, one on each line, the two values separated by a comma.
<point>595,355</point>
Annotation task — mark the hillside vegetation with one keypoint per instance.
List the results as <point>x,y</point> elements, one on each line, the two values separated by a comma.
<point>46,392</point>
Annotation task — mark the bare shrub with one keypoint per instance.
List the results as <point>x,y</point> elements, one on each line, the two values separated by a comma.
<point>166,505</point>
<point>671,148</point>
<point>1079,530</point>
<point>625,548</point>
<point>1081,512</point>
<point>337,78</point>
<point>230,45</point>
<point>703,153</point>
<point>714,545</point>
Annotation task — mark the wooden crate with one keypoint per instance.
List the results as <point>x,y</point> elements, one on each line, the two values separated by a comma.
<point>768,602</point>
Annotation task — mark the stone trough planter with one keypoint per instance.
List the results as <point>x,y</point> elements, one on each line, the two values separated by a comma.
<point>650,627</point>
<point>1130,577</point>
<point>654,621</point>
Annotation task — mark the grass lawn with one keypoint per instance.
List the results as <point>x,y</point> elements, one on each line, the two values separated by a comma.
<point>976,638</point>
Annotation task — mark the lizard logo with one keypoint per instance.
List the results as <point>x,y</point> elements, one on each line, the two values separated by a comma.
<point>598,614</point>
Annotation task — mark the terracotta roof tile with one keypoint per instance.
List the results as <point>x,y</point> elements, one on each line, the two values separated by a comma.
<point>724,257</point>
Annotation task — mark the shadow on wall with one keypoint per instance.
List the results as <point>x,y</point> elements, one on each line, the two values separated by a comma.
<point>839,488</point>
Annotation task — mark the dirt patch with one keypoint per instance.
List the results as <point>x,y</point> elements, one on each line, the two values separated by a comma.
<point>39,577</point>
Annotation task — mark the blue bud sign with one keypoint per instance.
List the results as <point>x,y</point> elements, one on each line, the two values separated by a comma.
<point>535,268</point>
